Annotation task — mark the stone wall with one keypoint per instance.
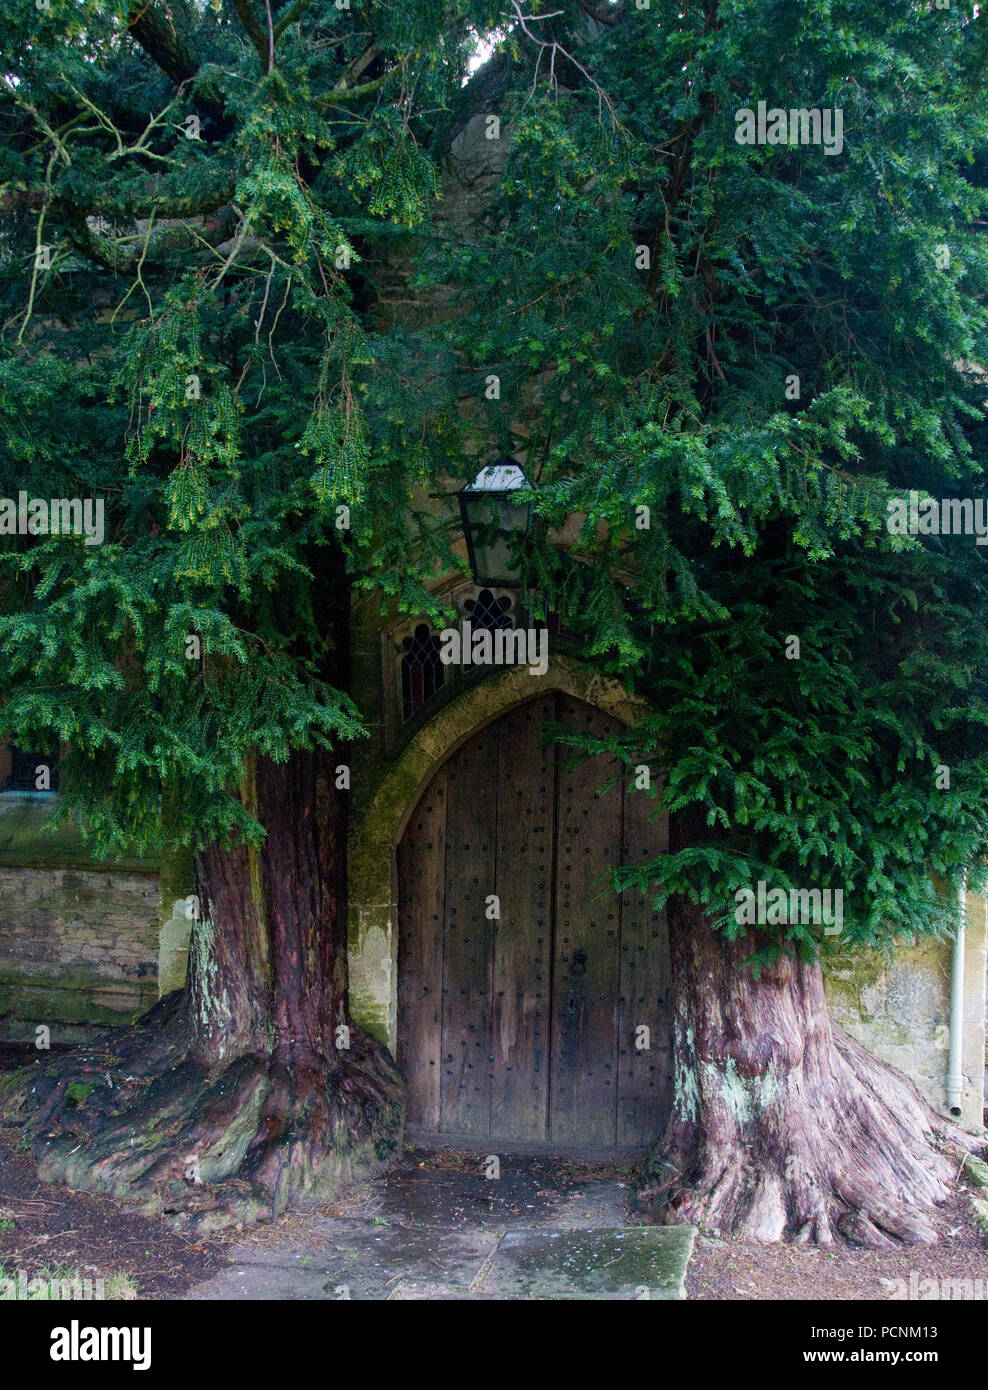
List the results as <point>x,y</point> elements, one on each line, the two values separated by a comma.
<point>78,950</point>
<point>78,939</point>
<point>900,1010</point>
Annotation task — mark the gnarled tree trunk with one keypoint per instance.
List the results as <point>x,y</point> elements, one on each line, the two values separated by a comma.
<point>250,1090</point>
<point>782,1125</point>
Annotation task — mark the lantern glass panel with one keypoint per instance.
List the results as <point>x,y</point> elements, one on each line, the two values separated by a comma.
<point>493,522</point>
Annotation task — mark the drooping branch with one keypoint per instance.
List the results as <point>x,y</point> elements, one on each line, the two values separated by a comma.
<point>556,50</point>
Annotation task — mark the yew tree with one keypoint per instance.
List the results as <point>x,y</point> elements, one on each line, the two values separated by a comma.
<point>726,358</point>
<point>198,206</point>
<point>729,358</point>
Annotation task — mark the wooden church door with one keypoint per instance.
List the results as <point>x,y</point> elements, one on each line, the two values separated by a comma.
<point>526,1026</point>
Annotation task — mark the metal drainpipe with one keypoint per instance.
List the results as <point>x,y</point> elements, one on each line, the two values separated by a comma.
<point>955,1076</point>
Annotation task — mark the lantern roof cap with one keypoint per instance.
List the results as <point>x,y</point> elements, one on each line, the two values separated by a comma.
<point>504,476</point>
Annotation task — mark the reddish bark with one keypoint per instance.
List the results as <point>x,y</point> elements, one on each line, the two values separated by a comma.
<point>783,1126</point>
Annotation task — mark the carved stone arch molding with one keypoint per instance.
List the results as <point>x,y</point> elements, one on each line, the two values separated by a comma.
<point>377,826</point>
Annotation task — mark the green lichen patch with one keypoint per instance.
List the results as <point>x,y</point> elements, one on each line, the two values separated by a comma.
<point>980,1209</point>
<point>977,1170</point>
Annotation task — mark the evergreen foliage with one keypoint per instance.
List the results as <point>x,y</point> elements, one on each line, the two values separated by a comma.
<point>205,353</point>
<point>662,285</point>
<point>193,225</point>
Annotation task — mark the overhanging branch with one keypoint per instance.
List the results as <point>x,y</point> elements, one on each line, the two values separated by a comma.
<point>290,16</point>
<point>343,90</point>
<point>156,32</point>
<point>253,29</point>
<point>600,15</point>
<point>165,35</point>
<point>146,202</point>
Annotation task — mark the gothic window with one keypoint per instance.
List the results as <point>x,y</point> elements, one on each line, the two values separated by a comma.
<point>486,611</point>
<point>416,676</point>
<point>422,672</point>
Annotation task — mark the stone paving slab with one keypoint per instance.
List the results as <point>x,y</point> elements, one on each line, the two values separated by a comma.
<point>643,1262</point>
<point>408,1292</point>
<point>362,1261</point>
<point>430,1232</point>
<point>359,1260</point>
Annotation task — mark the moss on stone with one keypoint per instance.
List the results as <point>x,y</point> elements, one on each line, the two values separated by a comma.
<point>72,999</point>
<point>13,1081</point>
<point>26,841</point>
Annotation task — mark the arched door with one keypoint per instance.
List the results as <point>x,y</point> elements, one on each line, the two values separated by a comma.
<point>549,1022</point>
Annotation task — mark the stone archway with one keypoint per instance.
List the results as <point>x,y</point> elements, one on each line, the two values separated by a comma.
<point>379,821</point>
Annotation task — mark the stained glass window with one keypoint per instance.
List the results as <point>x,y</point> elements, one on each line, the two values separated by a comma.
<point>422,673</point>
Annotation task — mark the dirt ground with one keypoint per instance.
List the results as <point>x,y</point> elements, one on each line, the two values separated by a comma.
<point>740,1270</point>
<point>47,1228</point>
<point>54,1231</point>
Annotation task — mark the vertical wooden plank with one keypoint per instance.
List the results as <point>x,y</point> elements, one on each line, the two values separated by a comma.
<point>471,827</point>
<point>421,916</point>
<point>523,939</point>
<point>583,1106</point>
<point>644,1075</point>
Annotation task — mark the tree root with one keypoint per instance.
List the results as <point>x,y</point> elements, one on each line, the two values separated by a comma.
<point>137,1117</point>
<point>848,1148</point>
